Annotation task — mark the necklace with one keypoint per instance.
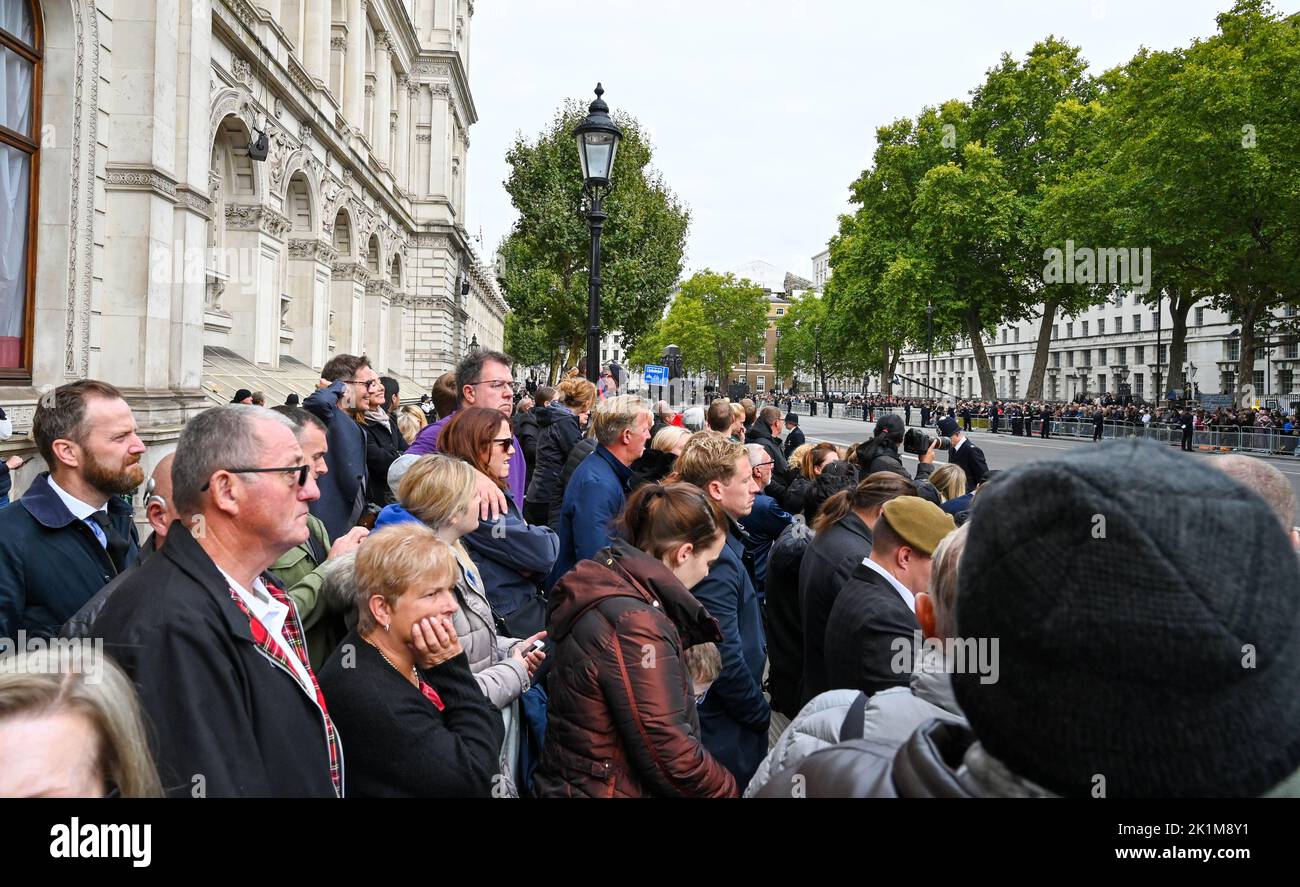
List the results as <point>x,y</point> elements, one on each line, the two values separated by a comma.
<point>415,675</point>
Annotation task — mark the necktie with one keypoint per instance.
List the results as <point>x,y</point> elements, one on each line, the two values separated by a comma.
<point>117,546</point>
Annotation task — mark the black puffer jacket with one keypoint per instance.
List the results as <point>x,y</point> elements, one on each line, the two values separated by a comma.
<point>881,454</point>
<point>834,477</point>
<point>650,467</point>
<point>783,617</point>
<point>621,718</point>
<point>555,439</point>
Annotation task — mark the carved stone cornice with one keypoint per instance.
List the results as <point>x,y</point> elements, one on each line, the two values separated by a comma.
<point>140,178</point>
<point>192,200</point>
<point>316,250</point>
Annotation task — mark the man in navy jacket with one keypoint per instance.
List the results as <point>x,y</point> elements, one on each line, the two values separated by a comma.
<point>596,492</point>
<point>734,715</point>
<point>71,532</point>
<point>353,385</point>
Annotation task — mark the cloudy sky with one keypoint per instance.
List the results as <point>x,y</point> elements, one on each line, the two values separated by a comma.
<point>762,112</point>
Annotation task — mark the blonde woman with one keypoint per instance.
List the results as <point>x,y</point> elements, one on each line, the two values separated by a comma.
<point>71,729</point>
<point>950,480</point>
<point>439,491</point>
<point>410,422</point>
<point>400,688</point>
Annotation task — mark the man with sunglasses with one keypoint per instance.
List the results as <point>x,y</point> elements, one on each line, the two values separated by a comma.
<point>353,389</point>
<point>485,379</point>
<point>216,650</point>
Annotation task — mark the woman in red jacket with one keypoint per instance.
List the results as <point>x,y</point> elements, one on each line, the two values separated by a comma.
<point>621,718</point>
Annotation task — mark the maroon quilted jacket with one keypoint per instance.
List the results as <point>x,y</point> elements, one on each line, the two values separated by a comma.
<point>621,719</point>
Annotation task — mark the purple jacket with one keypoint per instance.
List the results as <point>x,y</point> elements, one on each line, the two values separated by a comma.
<point>427,442</point>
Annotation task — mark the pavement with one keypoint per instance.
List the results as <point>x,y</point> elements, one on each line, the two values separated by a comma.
<point>1003,450</point>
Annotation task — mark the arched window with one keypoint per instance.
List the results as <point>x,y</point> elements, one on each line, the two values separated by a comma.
<point>20,126</point>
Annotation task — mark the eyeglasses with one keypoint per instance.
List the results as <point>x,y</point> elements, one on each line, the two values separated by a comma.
<point>764,464</point>
<point>506,443</point>
<point>302,470</point>
<point>373,383</point>
<point>496,384</point>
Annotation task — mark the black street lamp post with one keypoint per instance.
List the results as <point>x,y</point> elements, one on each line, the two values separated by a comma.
<point>598,139</point>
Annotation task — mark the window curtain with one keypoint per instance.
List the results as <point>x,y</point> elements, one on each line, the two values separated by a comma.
<point>15,183</point>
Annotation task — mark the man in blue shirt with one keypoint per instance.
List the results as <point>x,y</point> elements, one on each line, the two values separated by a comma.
<point>596,492</point>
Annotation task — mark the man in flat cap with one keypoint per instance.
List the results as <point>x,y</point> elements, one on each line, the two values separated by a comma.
<point>878,603</point>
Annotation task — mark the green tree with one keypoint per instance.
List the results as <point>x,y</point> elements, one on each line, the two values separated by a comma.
<point>716,321</point>
<point>808,341</point>
<point>1013,112</point>
<point>966,216</point>
<point>547,253</point>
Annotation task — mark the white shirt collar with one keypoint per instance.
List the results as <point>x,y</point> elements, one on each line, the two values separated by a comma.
<point>272,615</point>
<point>898,586</point>
<point>80,510</point>
<point>958,445</point>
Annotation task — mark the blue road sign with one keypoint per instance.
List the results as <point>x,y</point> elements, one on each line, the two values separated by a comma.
<point>656,375</point>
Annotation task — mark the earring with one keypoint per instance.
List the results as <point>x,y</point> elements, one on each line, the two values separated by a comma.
<point>386,624</point>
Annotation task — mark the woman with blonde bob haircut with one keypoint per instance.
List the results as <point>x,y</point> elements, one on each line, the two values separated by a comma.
<point>399,685</point>
<point>71,732</point>
<point>441,492</point>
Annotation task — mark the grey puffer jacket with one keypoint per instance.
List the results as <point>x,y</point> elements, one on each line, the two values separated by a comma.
<point>890,717</point>
<point>502,679</point>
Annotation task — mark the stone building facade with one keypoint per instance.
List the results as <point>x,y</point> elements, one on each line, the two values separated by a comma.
<point>155,242</point>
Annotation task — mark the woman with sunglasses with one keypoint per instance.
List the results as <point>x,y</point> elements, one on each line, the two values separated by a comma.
<point>512,557</point>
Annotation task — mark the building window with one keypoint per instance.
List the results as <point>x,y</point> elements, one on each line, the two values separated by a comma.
<point>20,76</point>
<point>1119,324</point>
<point>780,311</point>
<point>1086,360</point>
<point>1017,334</point>
<point>1258,381</point>
<point>1155,319</point>
<point>1200,317</point>
<point>1004,362</point>
<point>1085,328</point>
<point>762,383</point>
<point>1232,349</point>
<point>1004,336</point>
<point>1101,326</point>
<point>1069,358</point>
<point>1054,331</point>
<point>1138,390</point>
<point>1164,354</point>
<point>1123,355</point>
<point>1284,384</point>
<point>1139,354</point>
<point>1291,350</point>
<point>1056,358</point>
<point>1137,323</point>
<point>1069,330</point>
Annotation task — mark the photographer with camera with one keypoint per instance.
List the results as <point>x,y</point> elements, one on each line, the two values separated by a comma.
<point>881,452</point>
<point>964,453</point>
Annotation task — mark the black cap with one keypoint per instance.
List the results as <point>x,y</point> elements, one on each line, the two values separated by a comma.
<point>240,395</point>
<point>791,419</point>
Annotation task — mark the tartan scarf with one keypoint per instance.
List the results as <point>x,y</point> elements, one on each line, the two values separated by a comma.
<point>294,635</point>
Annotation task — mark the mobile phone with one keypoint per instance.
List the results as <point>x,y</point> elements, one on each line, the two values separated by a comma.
<point>538,646</point>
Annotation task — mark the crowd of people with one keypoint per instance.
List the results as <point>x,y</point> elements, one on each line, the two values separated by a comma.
<point>582,593</point>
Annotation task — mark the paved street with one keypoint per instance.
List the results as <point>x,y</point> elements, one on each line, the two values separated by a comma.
<point>1001,450</point>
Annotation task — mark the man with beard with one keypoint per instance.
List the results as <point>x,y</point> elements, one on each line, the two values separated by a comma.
<point>71,532</point>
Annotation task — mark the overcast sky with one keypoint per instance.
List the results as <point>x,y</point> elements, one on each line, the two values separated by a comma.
<point>761,113</point>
